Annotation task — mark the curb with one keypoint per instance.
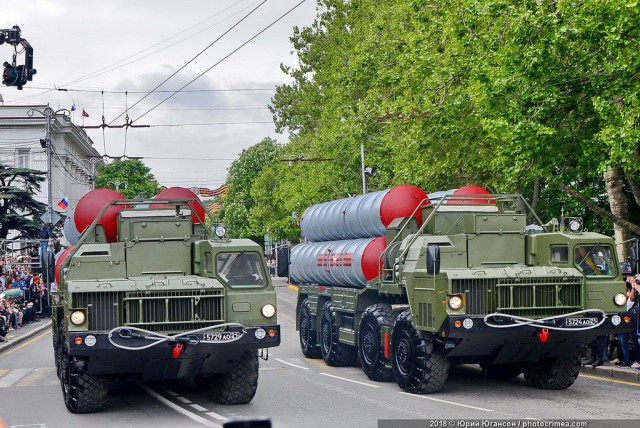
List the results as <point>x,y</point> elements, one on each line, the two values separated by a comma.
<point>608,371</point>
<point>16,340</point>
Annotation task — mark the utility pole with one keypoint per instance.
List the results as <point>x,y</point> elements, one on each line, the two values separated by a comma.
<point>364,180</point>
<point>48,114</point>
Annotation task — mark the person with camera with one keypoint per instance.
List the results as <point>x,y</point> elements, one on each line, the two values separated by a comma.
<point>633,302</point>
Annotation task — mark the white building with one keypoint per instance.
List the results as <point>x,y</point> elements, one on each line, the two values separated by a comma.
<point>74,159</point>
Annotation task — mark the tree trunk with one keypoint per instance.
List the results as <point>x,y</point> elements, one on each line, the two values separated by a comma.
<point>535,198</point>
<point>614,181</point>
<point>595,208</point>
<point>635,187</point>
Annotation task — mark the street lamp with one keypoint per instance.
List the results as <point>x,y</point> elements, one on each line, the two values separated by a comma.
<point>117,184</point>
<point>48,114</point>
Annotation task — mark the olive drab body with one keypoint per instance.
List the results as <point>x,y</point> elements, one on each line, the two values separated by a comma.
<point>148,290</point>
<point>468,280</point>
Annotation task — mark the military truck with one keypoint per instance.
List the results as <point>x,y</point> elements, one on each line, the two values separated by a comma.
<point>149,292</point>
<point>409,284</point>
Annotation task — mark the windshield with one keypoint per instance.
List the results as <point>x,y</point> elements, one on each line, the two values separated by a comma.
<point>595,260</point>
<point>241,268</point>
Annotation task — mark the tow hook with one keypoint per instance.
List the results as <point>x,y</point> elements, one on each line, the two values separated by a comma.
<point>177,350</point>
<point>543,335</point>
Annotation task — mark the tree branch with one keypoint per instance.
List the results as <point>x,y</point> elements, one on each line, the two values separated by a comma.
<point>595,208</point>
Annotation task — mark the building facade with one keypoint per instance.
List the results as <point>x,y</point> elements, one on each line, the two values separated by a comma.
<point>74,159</point>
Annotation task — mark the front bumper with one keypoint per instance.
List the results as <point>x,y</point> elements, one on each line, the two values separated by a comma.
<point>482,341</point>
<point>202,353</point>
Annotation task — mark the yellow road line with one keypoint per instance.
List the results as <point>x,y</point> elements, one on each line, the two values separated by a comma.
<point>12,350</point>
<point>610,380</point>
<point>35,376</point>
<point>293,287</point>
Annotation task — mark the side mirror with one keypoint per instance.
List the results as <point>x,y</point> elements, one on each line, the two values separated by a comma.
<point>48,264</point>
<point>634,258</point>
<point>282,262</point>
<point>433,259</point>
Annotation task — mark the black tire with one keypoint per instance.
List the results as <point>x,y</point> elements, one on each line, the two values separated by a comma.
<point>82,392</point>
<point>502,371</point>
<point>334,353</point>
<point>56,348</point>
<point>308,337</point>
<point>418,366</point>
<point>239,385</point>
<point>553,373</point>
<point>370,346</point>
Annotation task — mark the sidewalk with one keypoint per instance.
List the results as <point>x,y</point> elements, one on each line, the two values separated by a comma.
<point>25,333</point>
<point>611,370</point>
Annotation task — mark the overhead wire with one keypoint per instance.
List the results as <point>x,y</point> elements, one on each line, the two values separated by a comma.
<point>192,59</point>
<point>223,59</point>
<point>109,67</point>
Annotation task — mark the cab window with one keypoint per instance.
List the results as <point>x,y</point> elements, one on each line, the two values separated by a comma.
<point>559,254</point>
<point>241,269</point>
<point>595,260</point>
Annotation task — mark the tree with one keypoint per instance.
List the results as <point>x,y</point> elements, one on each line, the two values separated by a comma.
<point>529,96</point>
<point>134,177</point>
<point>243,172</point>
<point>19,212</point>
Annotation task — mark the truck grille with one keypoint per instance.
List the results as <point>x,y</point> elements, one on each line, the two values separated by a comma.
<point>167,311</point>
<point>537,297</point>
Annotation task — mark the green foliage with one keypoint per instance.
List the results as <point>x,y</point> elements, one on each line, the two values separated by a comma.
<point>139,180</point>
<point>241,200</point>
<point>499,93</point>
<point>19,212</point>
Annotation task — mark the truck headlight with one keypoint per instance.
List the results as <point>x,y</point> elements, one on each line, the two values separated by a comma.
<point>220,231</point>
<point>455,302</point>
<point>268,311</point>
<point>620,299</point>
<point>575,225</point>
<point>78,317</point>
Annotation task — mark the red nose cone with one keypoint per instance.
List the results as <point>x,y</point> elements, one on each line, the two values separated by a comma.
<point>181,192</point>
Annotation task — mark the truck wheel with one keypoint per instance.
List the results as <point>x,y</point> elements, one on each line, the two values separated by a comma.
<point>370,347</point>
<point>82,392</point>
<point>56,348</point>
<point>553,373</point>
<point>308,337</point>
<point>334,353</point>
<point>417,366</point>
<point>502,371</point>
<point>240,384</point>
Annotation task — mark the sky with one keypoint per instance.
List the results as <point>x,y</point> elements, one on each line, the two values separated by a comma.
<point>98,50</point>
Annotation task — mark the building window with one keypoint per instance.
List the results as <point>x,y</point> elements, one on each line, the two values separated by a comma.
<point>22,158</point>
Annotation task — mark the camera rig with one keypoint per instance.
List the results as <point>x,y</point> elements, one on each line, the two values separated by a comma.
<point>13,74</point>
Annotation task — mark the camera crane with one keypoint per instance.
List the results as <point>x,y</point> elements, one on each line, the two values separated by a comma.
<point>17,75</point>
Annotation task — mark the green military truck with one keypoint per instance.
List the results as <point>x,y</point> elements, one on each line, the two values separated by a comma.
<point>149,292</point>
<point>409,284</point>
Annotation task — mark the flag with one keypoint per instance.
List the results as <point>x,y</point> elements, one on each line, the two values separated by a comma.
<point>84,113</point>
<point>64,202</point>
<point>73,106</point>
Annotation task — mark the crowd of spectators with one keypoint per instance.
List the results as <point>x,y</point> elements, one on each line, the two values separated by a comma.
<point>23,296</point>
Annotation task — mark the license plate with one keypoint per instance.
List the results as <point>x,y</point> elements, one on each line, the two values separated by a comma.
<point>221,336</point>
<point>581,322</point>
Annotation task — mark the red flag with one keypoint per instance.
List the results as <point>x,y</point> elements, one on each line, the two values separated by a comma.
<point>84,113</point>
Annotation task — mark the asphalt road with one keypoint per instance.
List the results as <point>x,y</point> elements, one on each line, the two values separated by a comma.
<point>297,392</point>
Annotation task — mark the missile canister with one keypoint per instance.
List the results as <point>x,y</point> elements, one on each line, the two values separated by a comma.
<point>348,263</point>
<point>89,206</point>
<point>197,212</point>
<point>364,216</point>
